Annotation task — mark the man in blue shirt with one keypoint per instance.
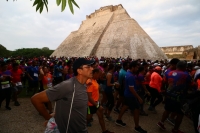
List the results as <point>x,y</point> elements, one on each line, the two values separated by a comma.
<point>122,74</point>
<point>32,72</point>
<point>131,98</point>
<point>58,73</point>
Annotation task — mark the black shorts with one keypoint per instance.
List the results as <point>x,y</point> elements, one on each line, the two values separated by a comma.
<point>33,84</point>
<point>173,106</point>
<point>57,80</point>
<point>117,89</point>
<point>92,109</point>
<point>121,92</point>
<point>132,103</point>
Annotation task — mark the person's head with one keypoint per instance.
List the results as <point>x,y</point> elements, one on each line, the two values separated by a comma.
<point>158,69</point>
<point>117,68</point>
<point>15,66</point>
<point>70,71</point>
<point>111,67</point>
<point>34,63</point>
<point>181,65</point>
<point>4,66</point>
<point>22,63</point>
<point>141,70</point>
<point>59,63</point>
<point>173,63</point>
<point>95,64</point>
<point>133,66</point>
<point>125,65</point>
<point>45,69</point>
<point>96,73</point>
<point>82,67</point>
<point>145,65</point>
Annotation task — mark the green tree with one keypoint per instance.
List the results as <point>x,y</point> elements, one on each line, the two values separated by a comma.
<point>4,52</point>
<point>45,48</point>
<point>32,52</point>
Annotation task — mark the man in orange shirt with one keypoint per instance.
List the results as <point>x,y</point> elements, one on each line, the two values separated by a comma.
<point>16,73</point>
<point>155,88</point>
<point>93,100</point>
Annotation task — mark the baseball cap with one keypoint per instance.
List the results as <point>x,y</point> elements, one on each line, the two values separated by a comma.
<point>80,62</point>
<point>196,67</point>
<point>157,68</point>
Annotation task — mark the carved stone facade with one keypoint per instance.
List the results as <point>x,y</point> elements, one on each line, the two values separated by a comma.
<point>110,32</point>
<point>187,52</point>
<point>171,50</point>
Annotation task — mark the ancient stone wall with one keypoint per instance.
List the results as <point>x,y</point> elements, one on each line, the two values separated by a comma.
<point>176,49</point>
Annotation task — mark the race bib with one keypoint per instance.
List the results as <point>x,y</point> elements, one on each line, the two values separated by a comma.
<point>5,86</point>
<point>49,85</point>
<point>60,74</point>
<point>19,84</point>
<point>35,75</point>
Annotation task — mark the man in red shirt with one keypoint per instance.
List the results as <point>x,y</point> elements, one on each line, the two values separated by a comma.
<point>16,73</point>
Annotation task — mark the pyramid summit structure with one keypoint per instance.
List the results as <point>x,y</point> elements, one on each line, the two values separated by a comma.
<point>109,32</point>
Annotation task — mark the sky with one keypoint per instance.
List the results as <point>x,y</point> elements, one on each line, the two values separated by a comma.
<point>167,22</point>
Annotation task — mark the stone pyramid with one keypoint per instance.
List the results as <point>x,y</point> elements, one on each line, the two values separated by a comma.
<point>110,32</point>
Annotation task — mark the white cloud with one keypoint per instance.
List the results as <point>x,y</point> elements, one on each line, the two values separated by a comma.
<point>168,22</point>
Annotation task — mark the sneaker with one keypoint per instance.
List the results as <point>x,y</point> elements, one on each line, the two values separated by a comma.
<point>116,111</point>
<point>120,123</point>
<point>109,118</point>
<point>171,121</point>
<point>89,124</point>
<point>140,130</point>
<point>150,108</point>
<point>142,113</point>
<point>161,125</point>
<point>107,131</point>
<point>91,120</point>
<point>176,131</point>
<point>154,111</point>
<point>8,108</point>
<point>16,103</point>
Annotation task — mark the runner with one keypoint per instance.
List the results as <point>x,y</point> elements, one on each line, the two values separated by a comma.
<point>71,99</point>
<point>132,99</point>
<point>109,91</point>
<point>5,89</point>
<point>16,73</point>
<point>93,101</point>
<point>179,82</point>
<point>155,89</point>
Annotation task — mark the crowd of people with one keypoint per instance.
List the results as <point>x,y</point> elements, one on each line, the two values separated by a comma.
<point>85,86</point>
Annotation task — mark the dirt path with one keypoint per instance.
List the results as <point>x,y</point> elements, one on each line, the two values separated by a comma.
<point>25,119</point>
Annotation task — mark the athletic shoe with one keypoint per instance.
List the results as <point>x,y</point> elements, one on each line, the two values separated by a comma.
<point>140,130</point>
<point>91,120</point>
<point>109,118</point>
<point>150,108</point>
<point>176,131</point>
<point>16,103</point>
<point>89,124</point>
<point>161,125</point>
<point>120,123</point>
<point>116,111</point>
<point>8,108</point>
<point>171,121</point>
<point>107,131</point>
<point>142,113</point>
